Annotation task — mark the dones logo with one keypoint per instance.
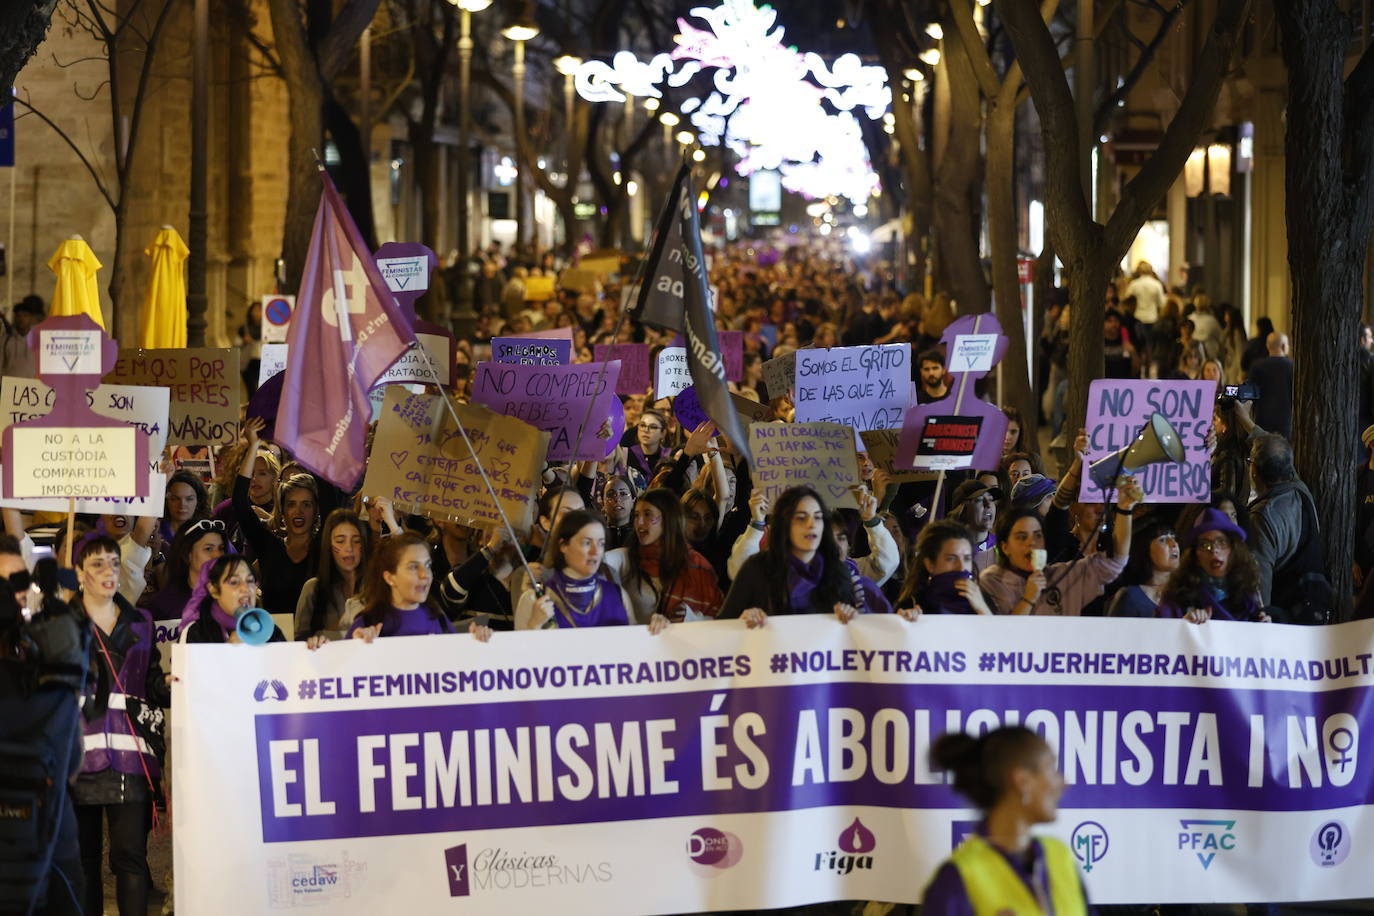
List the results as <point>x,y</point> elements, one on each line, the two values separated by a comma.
<point>456,865</point>
<point>1206,838</point>
<point>712,851</point>
<point>1089,843</point>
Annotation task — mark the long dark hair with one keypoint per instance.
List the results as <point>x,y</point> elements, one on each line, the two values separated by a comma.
<point>329,576</point>
<point>1139,568</point>
<point>202,497</point>
<point>835,584</point>
<point>377,593</point>
<point>928,544</point>
<point>672,555</point>
<point>982,766</point>
<point>1186,587</point>
<point>187,537</point>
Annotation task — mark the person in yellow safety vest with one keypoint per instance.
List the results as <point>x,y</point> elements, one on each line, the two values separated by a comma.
<point>1012,775</point>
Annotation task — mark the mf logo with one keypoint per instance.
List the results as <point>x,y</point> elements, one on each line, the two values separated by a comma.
<point>456,864</point>
<point>1206,838</point>
<point>1089,844</point>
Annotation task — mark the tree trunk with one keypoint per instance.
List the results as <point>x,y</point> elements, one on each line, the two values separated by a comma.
<point>1017,390</point>
<point>1329,203</point>
<point>1087,283</point>
<point>306,117</point>
<point>354,171</point>
<point>957,185</point>
<point>23,25</point>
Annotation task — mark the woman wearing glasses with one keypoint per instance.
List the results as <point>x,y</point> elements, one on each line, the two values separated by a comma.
<point>1217,577</point>
<point>286,561</point>
<point>196,543</point>
<point>649,449</point>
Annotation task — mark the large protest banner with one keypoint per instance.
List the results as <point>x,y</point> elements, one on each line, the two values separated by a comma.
<point>1117,411</point>
<point>719,768</point>
<point>145,408</point>
<point>204,385</point>
<point>862,387</point>
<point>554,399</point>
<point>420,462</point>
<point>816,455</point>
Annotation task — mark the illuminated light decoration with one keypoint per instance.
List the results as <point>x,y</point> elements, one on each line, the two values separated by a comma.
<point>860,210</point>
<point>505,172</point>
<point>772,105</point>
<point>699,155</point>
<point>632,187</point>
<point>685,137</point>
<point>669,119</point>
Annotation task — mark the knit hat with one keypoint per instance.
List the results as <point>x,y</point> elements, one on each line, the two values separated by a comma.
<point>1212,520</point>
<point>1031,490</point>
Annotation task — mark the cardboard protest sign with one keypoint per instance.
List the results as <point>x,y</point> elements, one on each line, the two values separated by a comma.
<point>554,399</point>
<point>1119,408</point>
<point>688,410</point>
<point>817,455</point>
<point>538,289</point>
<point>579,280</point>
<point>144,408</point>
<point>930,438</point>
<point>634,365</point>
<point>600,266</point>
<point>204,385</point>
<point>779,374</point>
<point>673,374</point>
<point>881,446</point>
<point>420,462</point>
<point>70,451</point>
<point>549,351</point>
<point>414,368</point>
<point>862,387</point>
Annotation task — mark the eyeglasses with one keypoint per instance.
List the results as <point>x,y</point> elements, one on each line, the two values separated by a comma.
<point>1213,546</point>
<point>651,427</point>
<point>206,524</point>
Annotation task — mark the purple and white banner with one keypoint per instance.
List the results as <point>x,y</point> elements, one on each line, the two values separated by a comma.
<point>718,768</point>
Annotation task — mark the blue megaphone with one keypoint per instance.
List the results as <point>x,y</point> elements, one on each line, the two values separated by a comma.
<point>254,626</point>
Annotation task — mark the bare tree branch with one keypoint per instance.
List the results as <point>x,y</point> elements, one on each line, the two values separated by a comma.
<point>1109,105</point>
<point>95,176</point>
<point>337,47</point>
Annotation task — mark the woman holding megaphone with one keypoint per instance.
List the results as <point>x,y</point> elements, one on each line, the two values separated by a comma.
<point>224,606</point>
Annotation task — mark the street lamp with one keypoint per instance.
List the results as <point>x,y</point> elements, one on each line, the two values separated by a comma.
<point>669,121</point>
<point>465,320</point>
<point>521,30</point>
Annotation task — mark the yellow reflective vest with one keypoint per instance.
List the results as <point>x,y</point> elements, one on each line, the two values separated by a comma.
<point>995,889</point>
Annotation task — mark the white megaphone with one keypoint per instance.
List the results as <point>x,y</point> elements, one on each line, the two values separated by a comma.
<point>254,626</point>
<point>1158,441</point>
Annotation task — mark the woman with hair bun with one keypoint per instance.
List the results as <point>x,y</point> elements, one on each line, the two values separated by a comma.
<point>1013,778</point>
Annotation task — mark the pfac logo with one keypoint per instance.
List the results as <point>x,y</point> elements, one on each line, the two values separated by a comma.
<point>1330,844</point>
<point>1206,838</point>
<point>1089,844</point>
<point>856,842</point>
<point>711,851</point>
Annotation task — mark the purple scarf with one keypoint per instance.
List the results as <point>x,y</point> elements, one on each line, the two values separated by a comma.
<point>201,595</point>
<point>940,597</point>
<point>587,605</point>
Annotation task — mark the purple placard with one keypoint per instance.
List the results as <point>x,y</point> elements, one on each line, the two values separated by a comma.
<point>634,365</point>
<point>962,402</point>
<point>406,267</point>
<point>863,387</point>
<point>554,399</point>
<point>688,410</point>
<point>1119,408</point>
<point>1154,755</point>
<point>731,352</point>
<point>532,351</point>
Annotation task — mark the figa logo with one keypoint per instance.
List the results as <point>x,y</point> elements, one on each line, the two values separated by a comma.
<point>856,842</point>
<point>1206,838</point>
<point>1089,844</point>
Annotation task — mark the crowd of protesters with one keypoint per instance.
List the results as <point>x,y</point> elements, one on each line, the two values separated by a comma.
<point>669,529</point>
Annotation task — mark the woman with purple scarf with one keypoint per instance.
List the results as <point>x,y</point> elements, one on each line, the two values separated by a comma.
<point>1217,578</point>
<point>942,580</point>
<point>578,592</point>
<point>227,587</point>
<point>800,571</point>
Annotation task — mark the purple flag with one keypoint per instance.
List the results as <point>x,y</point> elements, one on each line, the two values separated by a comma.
<point>347,330</point>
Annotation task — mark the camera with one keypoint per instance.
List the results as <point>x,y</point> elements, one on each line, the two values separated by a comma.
<point>1247,391</point>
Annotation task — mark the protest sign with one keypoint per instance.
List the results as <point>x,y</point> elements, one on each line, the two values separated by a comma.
<point>579,280</point>
<point>420,462</point>
<point>762,768</point>
<point>779,374</point>
<point>816,455</point>
<point>673,374</point>
<point>554,399</point>
<point>144,408</point>
<point>731,352</point>
<point>272,361</point>
<point>688,410</point>
<point>414,366</point>
<point>634,365</point>
<point>862,387</point>
<point>601,266</point>
<point>197,459</point>
<point>973,352</point>
<point>948,442</point>
<point>538,289</point>
<point>204,385</point>
<point>1119,408</point>
<point>881,446</point>
<point>549,351</point>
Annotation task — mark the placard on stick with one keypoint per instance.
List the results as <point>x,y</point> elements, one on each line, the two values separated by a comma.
<point>1118,408</point>
<point>673,374</point>
<point>881,445</point>
<point>816,455</point>
<point>204,385</point>
<point>554,399</point>
<point>420,462</point>
<point>862,387</point>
